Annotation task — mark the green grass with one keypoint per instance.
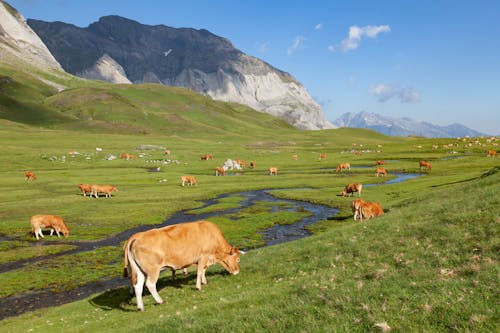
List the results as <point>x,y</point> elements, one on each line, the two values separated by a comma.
<point>430,264</point>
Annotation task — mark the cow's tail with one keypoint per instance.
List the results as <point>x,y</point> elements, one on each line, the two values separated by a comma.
<point>126,254</point>
<point>130,261</point>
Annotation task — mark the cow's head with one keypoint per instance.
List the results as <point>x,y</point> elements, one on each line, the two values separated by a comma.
<point>230,261</point>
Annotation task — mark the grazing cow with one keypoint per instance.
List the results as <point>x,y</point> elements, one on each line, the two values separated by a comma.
<point>343,166</point>
<point>381,172</point>
<point>380,162</point>
<point>273,171</point>
<point>295,157</point>
<point>491,153</point>
<point>85,188</point>
<point>219,171</point>
<point>242,163</point>
<point>358,153</point>
<point>29,175</point>
<point>252,164</point>
<point>106,189</point>
<point>356,208</point>
<point>39,222</point>
<point>370,209</point>
<point>126,156</point>
<point>175,247</point>
<point>207,157</point>
<point>190,180</point>
<point>351,188</point>
<point>425,164</point>
<point>323,156</point>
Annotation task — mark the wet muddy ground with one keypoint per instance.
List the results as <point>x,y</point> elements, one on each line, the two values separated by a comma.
<point>16,305</point>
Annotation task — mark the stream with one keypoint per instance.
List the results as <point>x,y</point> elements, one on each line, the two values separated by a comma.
<point>279,233</point>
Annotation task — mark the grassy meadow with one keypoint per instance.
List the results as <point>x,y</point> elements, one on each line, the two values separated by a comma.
<point>430,264</point>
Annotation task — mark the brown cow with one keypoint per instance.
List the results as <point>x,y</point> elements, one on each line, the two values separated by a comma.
<point>39,222</point>
<point>85,188</point>
<point>273,171</point>
<point>106,189</point>
<point>351,188</point>
<point>323,156</point>
<point>242,163</point>
<point>295,157</point>
<point>381,172</point>
<point>207,157</point>
<point>380,162</point>
<point>219,171</point>
<point>424,164</point>
<point>491,153</point>
<point>190,180</point>
<point>370,209</point>
<point>176,247</point>
<point>358,153</point>
<point>343,166</point>
<point>29,175</point>
<point>252,164</point>
<point>127,156</point>
<point>356,207</point>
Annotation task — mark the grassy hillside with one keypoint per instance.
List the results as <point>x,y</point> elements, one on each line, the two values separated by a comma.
<point>33,98</point>
<point>429,264</point>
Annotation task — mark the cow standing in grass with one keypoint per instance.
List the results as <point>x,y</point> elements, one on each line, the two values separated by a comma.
<point>176,247</point>
<point>342,166</point>
<point>29,175</point>
<point>424,164</point>
<point>273,171</point>
<point>380,172</point>
<point>351,188</point>
<point>189,180</point>
<point>85,188</point>
<point>52,222</point>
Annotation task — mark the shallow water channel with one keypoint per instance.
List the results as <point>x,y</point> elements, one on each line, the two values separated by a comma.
<point>279,233</point>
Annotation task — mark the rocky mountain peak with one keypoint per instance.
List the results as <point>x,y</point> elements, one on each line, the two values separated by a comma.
<point>196,59</point>
<point>18,42</point>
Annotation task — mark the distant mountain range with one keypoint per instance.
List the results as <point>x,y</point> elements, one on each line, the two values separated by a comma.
<point>403,126</point>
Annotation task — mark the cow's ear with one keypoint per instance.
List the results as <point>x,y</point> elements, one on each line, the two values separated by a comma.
<point>234,250</point>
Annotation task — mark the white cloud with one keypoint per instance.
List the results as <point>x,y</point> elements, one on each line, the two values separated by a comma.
<point>356,33</point>
<point>262,47</point>
<point>384,92</point>
<point>318,26</point>
<point>297,43</point>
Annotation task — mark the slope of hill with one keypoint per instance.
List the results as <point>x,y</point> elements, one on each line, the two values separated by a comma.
<point>402,126</point>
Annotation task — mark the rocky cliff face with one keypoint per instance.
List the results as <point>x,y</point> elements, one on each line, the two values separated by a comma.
<point>120,50</point>
<point>18,42</point>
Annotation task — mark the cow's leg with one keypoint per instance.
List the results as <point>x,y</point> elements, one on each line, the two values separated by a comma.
<point>202,263</point>
<point>138,286</point>
<point>36,234</point>
<point>151,285</point>
<point>52,231</point>
<point>40,233</point>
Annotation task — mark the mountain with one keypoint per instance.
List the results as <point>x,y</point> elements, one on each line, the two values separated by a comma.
<point>402,126</point>
<point>18,42</point>
<point>120,50</point>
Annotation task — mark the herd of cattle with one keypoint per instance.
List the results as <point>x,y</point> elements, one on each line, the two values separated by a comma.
<point>200,243</point>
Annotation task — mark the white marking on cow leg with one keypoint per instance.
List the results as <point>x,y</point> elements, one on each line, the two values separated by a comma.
<point>36,234</point>
<point>51,232</point>
<point>138,290</point>
<point>203,277</point>
<point>151,285</point>
<point>40,233</point>
<point>152,289</point>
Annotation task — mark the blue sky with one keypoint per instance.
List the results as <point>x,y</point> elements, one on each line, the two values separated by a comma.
<point>430,60</point>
